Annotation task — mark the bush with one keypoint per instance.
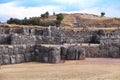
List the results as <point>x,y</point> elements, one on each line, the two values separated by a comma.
<point>102,14</point>
<point>60,17</point>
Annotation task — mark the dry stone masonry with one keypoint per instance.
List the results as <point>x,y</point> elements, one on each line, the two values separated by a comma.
<point>19,45</point>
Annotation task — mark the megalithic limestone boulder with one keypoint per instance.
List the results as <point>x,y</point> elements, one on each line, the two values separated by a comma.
<point>63,53</point>
<point>16,50</point>
<point>5,49</point>
<point>12,59</point>
<point>71,53</point>
<point>81,54</point>
<point>33,56</point>
<point>28,57</point>
<point>1,50</point>
<point>20,58</point>
<point>75,53</point>
<point>55,54</point>
<point>1,60</point>
<point>10,50</point>
<point>6,59</point>
<point>48,54</point>
<point>114,52</point>
<point>115,44</point>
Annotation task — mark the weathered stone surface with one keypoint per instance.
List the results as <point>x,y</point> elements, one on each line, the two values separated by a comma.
<point>48,54</point>
<point>5,49</point>
<point>63,53</point>
<point>114,52</point>
<point>28,57</point>
<point>1,50</point>
<point>12,59</point>
<point>75,53</point>
<point>5,39</point>
<point>54,55</point>
<point>16,50</point>
<point>6,59</point>
<point>23,39</point>
<point>33,56</point>
<point>10,50</point>
<point>1,60</point>
<point>20,58</point>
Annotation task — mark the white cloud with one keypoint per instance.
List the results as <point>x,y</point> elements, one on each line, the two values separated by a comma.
<point>110,11</point>
<point>79,3</point>
<point>10,10</point>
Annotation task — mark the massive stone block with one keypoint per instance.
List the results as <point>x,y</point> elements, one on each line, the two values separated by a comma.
<point>23,39</point>
<point>54,55</point>
<point>75,53</point>
<point>11,50</point>
<point>6,59</point>
<point>63,53</point>
<point>5,38</point>
<point>5,49</point>
<point>33,56</point>
<point>48,54</point>
<point>1,50</point>
<point>16,50</point>
<point>1,60</point>
<point>12,59</point>
<point>114,52</point>
<point>28,57</point>
<point>20,58</point>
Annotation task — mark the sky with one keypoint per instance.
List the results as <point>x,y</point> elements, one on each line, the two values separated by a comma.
<point>30,8</point>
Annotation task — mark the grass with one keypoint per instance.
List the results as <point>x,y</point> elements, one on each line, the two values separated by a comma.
<point>89,69</point>
<point>67,44</point>
<point>18,26</point>
<point>108,30</point>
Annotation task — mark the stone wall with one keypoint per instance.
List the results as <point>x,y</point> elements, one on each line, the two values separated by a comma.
<point>103,51</point>
<point>73,53</point>
<point>23,39</point>
<point>56,53</point>
<point>47,54</point>
<point>110,39</point>
<point>50,35</point>
<point>5,39</point>
<point>12,54</point>
<point>24,45</point>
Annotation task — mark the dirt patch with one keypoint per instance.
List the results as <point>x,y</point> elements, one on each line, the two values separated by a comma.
<point>89,69</point>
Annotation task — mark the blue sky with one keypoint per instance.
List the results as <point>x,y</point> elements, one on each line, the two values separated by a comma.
<point>29,8</point>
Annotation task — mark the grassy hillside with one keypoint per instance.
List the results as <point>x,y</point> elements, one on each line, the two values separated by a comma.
<point>77,20</point>
<point>86,19</point>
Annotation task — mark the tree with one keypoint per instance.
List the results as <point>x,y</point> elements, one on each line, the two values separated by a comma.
<point>14,21</point>
<point>25,21</point>
<point>47,14</point>
<point>53,13</point>
<point>60,17</point>
<point>42,15</point>
<point>34,21</point>
<point>102,14</point>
